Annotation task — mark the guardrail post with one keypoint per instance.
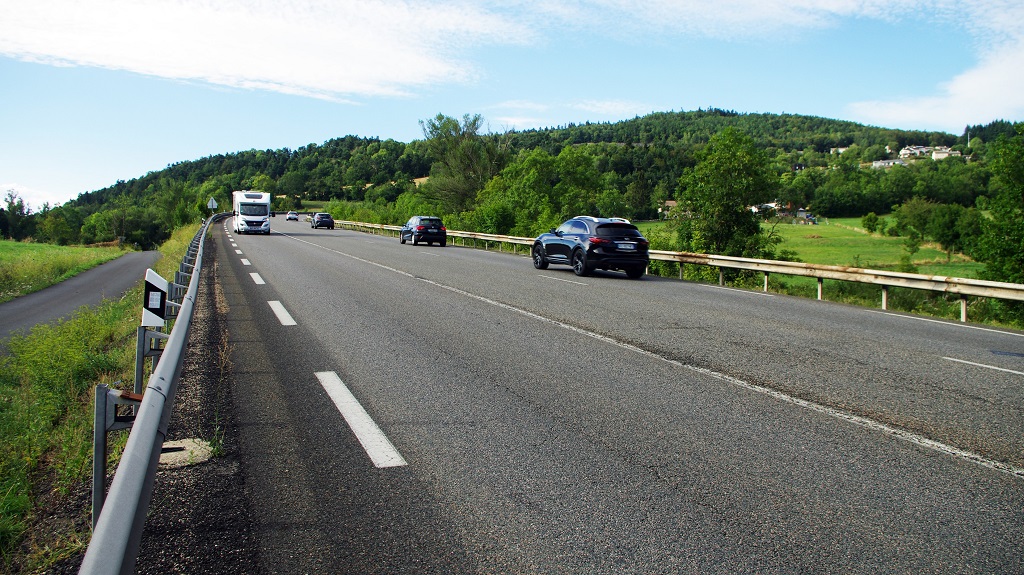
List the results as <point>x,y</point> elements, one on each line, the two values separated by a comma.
<point>766,282</point>
<point>885,297</point>
<point>106,419</point>
<point>721,277</point>
<point>146,346</point>
<point>821,282</point>
<point>963,308</point>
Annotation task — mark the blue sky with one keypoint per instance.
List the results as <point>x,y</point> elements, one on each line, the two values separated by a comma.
<point>106,90</point>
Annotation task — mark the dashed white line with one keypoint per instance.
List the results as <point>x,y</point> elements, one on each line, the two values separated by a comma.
<point>380,449</point>
<point>282,314</point>
<point>246,262</point>
<point>256,278</point>
<point>239,252</point>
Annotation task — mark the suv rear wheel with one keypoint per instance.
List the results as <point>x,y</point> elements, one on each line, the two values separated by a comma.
<point>579,263</point>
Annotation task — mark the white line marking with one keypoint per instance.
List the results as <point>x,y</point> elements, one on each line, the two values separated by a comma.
<point>871,424</point>
<point>256,278</point>
<point>381,451</point>
<point>245,262</point>
<point>562,280</point>
<point>239,252</point>
<point>430,253</point>
<point>947,322</point>
<point>282,314</point>
<point>983,365</point>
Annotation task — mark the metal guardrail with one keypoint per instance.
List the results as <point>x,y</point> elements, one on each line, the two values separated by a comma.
<point>963,287</point>
<point>115,540</point>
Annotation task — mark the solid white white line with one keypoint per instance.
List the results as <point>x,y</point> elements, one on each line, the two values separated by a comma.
<point>256,278</point>
<point>245,262</point>
<point>823,409</point>
<point>983,365</point>
<point>380,449</point>
<point>949,323</point>
<point>282,314</point>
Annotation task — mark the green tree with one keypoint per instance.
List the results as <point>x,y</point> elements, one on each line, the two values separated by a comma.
<point>715,196</point>
<point>943,228</point>
<point>1002,244</point>
<point>20,221</point>
<point>463,159</point>
<point>870,222</point>
<point>913,216</point>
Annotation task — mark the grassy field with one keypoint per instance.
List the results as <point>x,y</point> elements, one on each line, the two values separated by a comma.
<point>27,267</point>
<point>46,395</point>
<point>842,242</point>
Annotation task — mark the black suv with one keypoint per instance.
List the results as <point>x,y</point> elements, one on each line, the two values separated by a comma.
<point>587,243</point>
<point>427,229</point>
<point>322,220</point>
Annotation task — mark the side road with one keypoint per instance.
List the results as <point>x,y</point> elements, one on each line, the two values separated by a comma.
<point>107,281</point>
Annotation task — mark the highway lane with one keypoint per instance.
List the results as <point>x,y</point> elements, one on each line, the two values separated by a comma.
<point>616,426</point>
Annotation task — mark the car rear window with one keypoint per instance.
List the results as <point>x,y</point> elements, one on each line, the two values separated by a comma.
<point>430,222</point>
<point>618,230</point>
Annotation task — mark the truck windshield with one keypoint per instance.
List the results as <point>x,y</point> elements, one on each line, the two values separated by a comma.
<point>254,209</point>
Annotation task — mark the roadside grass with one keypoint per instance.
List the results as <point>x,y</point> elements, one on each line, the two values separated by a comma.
<point>47,385</point>
<point>843,242</point>
<point>28,267</point>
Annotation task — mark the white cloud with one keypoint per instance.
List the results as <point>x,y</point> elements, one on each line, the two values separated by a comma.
<point>323,48</point>
<point>992,90</point>
<point>34,198</point>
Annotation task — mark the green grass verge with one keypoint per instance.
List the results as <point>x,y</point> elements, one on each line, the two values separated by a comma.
<point>28,267</point>
<point>843,242</point>
<point>47,385</point>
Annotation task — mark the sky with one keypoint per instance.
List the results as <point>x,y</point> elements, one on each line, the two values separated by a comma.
<point>106,90</point>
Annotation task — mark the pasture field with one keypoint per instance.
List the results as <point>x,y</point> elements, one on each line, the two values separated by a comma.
<point>842,242</point>
<point>28,267</point>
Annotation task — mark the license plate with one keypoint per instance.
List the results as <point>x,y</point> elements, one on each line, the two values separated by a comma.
<point>626,246</point>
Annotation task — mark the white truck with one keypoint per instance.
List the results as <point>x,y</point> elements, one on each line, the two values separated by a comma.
<point>252,212</point>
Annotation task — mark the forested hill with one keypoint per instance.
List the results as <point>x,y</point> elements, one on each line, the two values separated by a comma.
<point>323,171</point>
<point>787,132</point>
<point>630,167</point>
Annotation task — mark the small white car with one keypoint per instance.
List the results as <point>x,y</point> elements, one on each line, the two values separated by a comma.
<point>292,216</point>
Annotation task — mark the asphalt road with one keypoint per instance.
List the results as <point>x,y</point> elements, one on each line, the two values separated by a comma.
<point>107,281</point>
<point>519,421</point>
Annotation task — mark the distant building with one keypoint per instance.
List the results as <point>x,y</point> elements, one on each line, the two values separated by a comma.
<point>936,152</point>
<point>882,164</point>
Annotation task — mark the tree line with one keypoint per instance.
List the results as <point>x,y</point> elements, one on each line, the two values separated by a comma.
<point>524,182</point>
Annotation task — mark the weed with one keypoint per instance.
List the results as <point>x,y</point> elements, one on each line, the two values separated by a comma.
<point>46,403</point>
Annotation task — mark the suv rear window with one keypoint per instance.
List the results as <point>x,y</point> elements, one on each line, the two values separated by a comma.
<point>617,229</point>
